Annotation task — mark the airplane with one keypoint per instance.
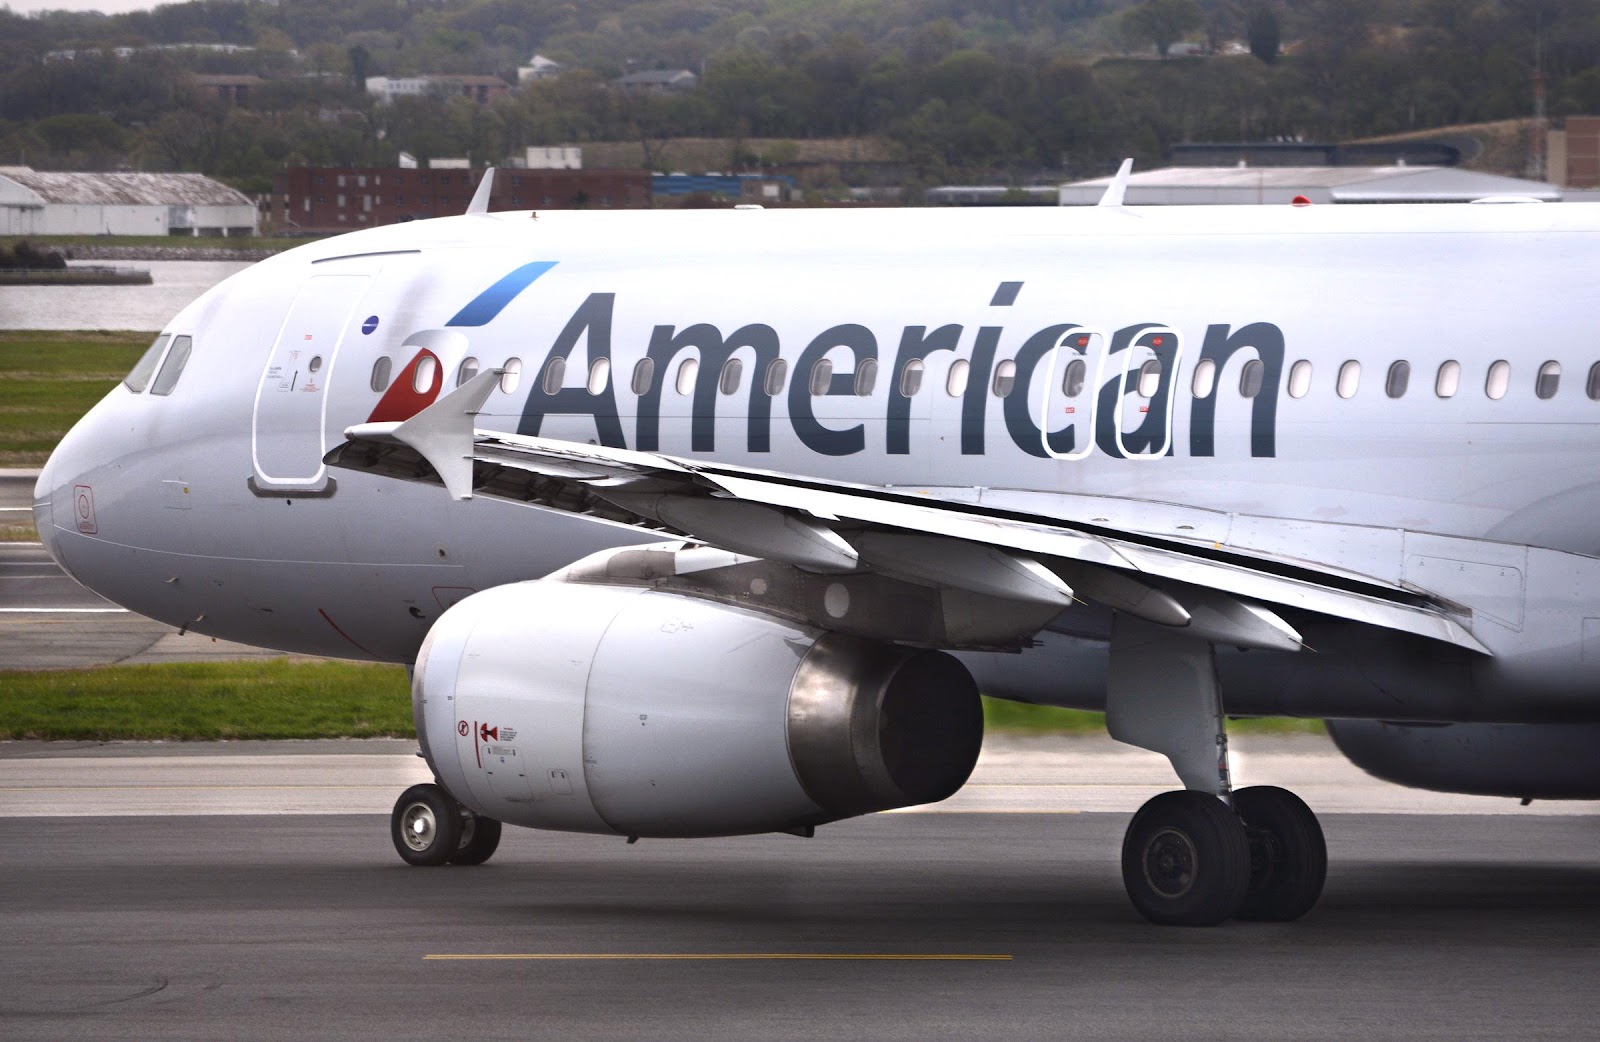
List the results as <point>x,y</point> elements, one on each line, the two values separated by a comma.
<point>717,522</point>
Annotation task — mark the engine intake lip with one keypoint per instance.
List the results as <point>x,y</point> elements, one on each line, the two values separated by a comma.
<point>875,726</point>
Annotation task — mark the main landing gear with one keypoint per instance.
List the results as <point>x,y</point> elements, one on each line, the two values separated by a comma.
<point>1205,854</point>
<point>430,828</point>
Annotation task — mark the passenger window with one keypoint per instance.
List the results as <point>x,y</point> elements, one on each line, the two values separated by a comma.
<point>1448,382</point>
<point>1399,379</point>
<point>644,374</point>
<point>469,369</point>
<point>1300,379</point>
<point>866,377</point>
<point>1499,381</point>
<point>1005,378</point>
<point>422,376</point>
<point>1594,382</point>
<point>821,377</point>
<point>688,369</point>
<point>956,383</point>
<point>380,374</point>
<point>1349,379</point>
<point>1545,387</point>
<point>1250,378</point>
<point>777,372</point>
<point>1205,378</point>
<point>555,373</point>
<point>732,373</point>
<point>172,368</point>
<point>911,378</point>
<point>1072,379</point>
<point>599,375</point>
<point>1149,378</point>
<point>146,365</point>
<point>511,375</point>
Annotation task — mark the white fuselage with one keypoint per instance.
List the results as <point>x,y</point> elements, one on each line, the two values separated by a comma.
<point>210,507</point>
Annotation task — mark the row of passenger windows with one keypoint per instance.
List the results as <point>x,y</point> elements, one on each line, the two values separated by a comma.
<point>171,366</point>
<point>1147,381</point>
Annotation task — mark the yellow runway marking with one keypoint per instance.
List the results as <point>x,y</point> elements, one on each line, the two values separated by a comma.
<point>725,956</point>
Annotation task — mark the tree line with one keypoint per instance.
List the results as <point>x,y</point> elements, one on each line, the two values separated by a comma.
<point>1009,89</point>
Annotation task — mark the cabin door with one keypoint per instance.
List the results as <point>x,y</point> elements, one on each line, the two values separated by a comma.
<point>287,442</point>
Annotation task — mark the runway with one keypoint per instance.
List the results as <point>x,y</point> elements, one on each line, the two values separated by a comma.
<point>309,927</point>
<point>215,913</point>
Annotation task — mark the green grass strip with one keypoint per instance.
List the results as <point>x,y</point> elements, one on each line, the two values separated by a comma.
<point>205,701</point>
<point>283,698</point>
<point>48,380</point>
<point>1021,718</point>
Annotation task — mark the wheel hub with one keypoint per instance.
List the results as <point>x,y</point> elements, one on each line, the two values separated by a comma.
<point>1169,860</point>
<point>418,826</point>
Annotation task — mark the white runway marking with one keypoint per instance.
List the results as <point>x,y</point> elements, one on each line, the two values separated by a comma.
<point>68,611</point>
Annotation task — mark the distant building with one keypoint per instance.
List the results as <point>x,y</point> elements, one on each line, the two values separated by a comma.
<point>538,68</point>
<point>327,199</point>
<point>747,188</point>
<point>1307,153</point>
<point>659,81</point>
<point>553,157</point>
<point>230,90</point>
<point>1182,186</point>
<point>481,89</point>
<point>38,203</point>
<point>1574,153</point>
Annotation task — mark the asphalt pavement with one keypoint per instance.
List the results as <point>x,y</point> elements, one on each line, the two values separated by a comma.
<point>913,926</point>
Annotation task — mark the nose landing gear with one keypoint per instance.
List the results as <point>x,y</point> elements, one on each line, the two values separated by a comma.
<point>430,828</point>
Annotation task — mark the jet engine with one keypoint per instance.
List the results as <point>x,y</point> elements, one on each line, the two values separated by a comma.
<point>627,710</point>
<point>1529,761</point>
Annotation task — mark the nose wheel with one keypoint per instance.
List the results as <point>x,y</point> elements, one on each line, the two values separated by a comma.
<point>430,828</point>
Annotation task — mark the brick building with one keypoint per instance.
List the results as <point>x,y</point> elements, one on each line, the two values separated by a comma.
<point>339,199</point>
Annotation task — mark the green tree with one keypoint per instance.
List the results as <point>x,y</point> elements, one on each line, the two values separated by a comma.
<point>1164,22</point>
<point>1262,30</point>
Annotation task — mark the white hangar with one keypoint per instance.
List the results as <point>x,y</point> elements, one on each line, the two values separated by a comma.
<point>33,202</point>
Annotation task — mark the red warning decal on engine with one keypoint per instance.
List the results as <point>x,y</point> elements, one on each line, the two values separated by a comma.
<point>463,729</point>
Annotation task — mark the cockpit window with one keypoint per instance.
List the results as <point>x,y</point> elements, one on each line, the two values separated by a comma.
<point>172,368</point>
<point>140,376</point>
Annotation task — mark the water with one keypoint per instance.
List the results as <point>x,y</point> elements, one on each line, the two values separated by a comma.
<point>146,308</point>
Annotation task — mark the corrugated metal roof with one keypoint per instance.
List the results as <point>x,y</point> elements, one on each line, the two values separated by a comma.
<point>124,189</point>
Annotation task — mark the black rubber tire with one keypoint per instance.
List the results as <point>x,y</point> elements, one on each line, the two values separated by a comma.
<point>1288,855</point>
<point>480,837</point>
<point>1185,860</point>
<point>425,825</point>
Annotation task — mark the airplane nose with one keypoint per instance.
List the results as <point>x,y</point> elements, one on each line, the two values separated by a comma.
<point>43,513</point>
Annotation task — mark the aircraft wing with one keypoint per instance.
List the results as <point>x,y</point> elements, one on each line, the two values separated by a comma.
<point>1225,594</point>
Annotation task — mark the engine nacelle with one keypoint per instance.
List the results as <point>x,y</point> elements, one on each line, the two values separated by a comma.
<point>591,708</point>
<point>1532,761</point>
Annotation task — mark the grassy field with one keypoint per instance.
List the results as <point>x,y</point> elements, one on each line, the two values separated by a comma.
<point>270,698</point>
<point>280,698</point>
<point>49,379</point>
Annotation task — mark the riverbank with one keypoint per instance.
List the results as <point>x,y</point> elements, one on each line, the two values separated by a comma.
<point>79,276</point>
<point>100,252</point>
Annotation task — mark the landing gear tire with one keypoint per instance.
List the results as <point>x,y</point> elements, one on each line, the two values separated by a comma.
<point>1185,860</point>
<point>480,837</point>
<point>1288,856</point>
<point>426,825</point>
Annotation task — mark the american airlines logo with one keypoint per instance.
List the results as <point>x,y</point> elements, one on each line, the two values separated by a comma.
<point>1037,363</point>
